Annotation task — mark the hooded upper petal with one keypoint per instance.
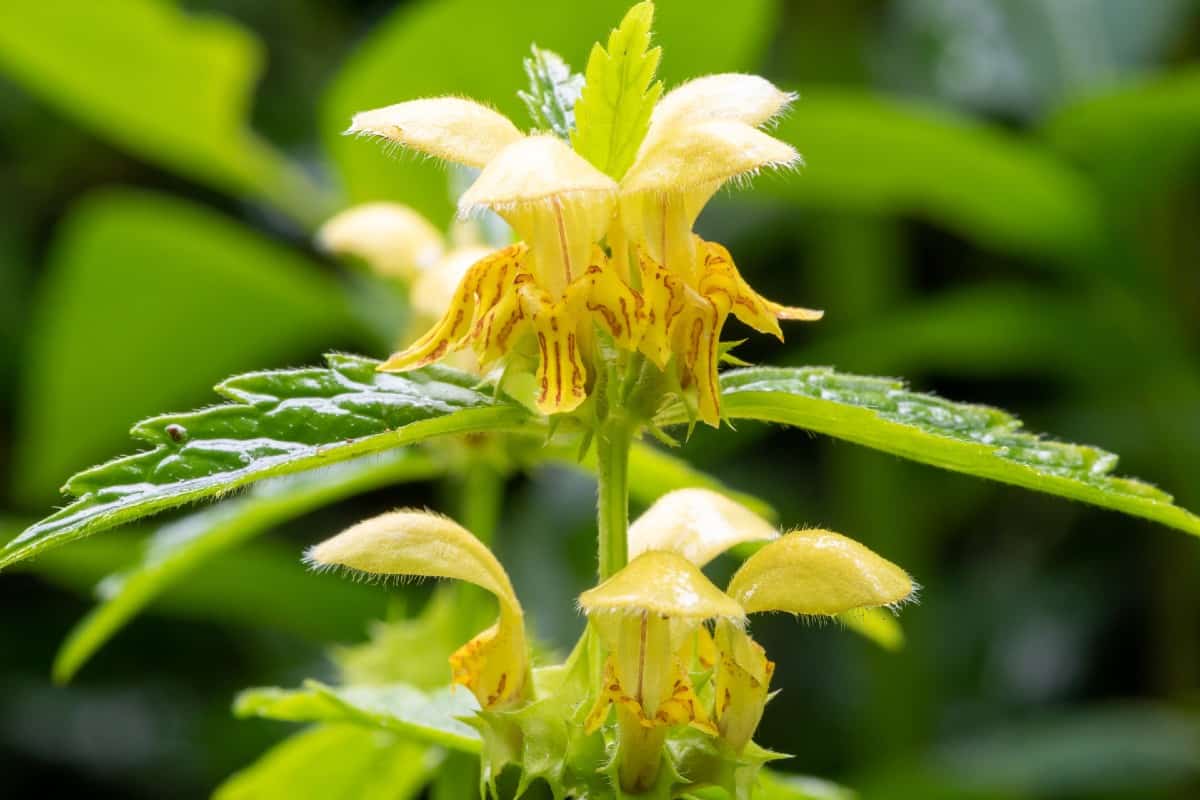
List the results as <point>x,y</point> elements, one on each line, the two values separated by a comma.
<point>416,543</point>
<point>449,128</point>
<point>494,665</point>
<point>817,572</point>
<point>558,203</point>
<point>662,583</point>
<point>705,155</point>
<point>534,169</point>
<point>751,99</point>
<point>698,524</point>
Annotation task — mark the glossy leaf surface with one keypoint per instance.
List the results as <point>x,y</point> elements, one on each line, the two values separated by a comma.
<point>431,717</point>
<point>883,414</point>
<point>277,423</point>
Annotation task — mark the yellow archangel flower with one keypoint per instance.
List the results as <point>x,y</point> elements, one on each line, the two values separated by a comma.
<point>494,665</point>
<point>556,282</point>
<point>702,135</point>
<point>812,572</point>
<point>646,615</point>
<point>653,287</point>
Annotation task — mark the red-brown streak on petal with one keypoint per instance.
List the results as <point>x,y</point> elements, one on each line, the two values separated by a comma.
<point>562,241</point>
<point>693,352</point>
<point>506,331</point>
<point>625,314</point>
<point>541,337</point>
<point>672,301</point>
<point>610,318</point>
<point>501,278</point>
<point>558,372</point>
<point>435,354</point>
<point>718,290</point>
<point>713,347</point>
<point>576,372</point>
<point>499,688</point>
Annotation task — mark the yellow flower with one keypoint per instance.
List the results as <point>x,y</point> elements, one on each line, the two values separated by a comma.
<point>556,282</point>
<point>494,665</point>
<point>578,227</point>
<point>645,615</point>
<point>702,135</point>
<point>813,572</point>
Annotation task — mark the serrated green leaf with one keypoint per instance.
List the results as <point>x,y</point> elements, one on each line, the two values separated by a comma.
<point>177,550</point>
<point>881,413</point>
<point>186,296</point>
<point>553,92</point>
<point>431,717</point>
<point>336,761</point>
<point>619,95</point>
<point>166,84</point>
<point>279,422</point>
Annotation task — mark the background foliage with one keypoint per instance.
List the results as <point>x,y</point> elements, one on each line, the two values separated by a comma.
<point>999,204</point>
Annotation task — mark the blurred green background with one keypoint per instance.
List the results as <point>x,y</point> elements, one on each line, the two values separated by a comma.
<point>1001,203</point>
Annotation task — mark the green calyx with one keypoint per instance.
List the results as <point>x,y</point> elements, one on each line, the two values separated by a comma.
<point>545,741</point>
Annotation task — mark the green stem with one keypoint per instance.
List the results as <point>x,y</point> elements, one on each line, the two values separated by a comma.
<point>481,497</point>
<point>479,494</point>
<point>613,440</point>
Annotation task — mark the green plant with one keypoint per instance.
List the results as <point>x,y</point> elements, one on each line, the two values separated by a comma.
<point>290,422</point>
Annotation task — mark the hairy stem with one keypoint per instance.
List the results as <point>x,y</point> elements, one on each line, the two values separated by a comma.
<point>613,440</point>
